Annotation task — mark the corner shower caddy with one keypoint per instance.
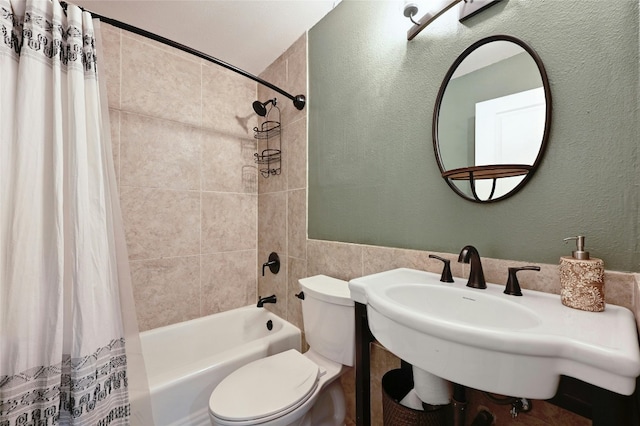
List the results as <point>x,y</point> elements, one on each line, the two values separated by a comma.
<point>269,159</point>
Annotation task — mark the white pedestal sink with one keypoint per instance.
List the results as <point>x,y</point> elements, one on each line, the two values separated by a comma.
<point>487,340</point>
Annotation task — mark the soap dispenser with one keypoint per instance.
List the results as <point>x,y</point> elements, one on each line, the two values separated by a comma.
<point>582,279</point>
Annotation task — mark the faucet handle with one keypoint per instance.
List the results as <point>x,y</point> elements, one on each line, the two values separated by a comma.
<point>513,286</point>
<point>273,263</point>
<point>446,271</point>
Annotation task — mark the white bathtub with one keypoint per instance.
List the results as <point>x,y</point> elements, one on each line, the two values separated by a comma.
<point>186,361</point>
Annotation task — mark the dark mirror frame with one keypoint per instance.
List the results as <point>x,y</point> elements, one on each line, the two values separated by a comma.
<point>499,170</point>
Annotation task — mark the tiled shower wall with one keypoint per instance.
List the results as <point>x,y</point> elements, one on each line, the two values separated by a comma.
<point>183,148</point>
<point>282,199</point>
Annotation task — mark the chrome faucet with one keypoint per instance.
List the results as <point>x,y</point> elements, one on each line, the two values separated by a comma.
<point>469,254</point>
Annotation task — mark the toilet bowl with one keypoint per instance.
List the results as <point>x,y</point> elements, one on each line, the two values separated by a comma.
<point>291,388</point>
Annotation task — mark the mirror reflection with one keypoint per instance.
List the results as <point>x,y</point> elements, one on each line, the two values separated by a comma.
<point>491,119</point>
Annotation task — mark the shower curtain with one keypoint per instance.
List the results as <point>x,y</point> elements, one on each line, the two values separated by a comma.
<point>69,347</point>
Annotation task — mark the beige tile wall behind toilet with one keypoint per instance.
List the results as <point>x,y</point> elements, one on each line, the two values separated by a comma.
<point>183,153</point>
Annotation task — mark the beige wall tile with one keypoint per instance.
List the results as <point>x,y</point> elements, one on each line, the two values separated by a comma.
<point>338,260</point>
<point>297,223</point>
<point>291,114</point>
<point>618,288</point>
<point>228,222</point>
<point>296,77</point>
<point>159,153</point>
<point>288,71</point>
<point>160,223</point>
<point>226,160</point>
<point>166,291</point>
<point>111,46</point>
<point>378,259</point>
<point>295,136</point>
<point>227,101</point>
<point>160,84</point>
<point>272,223</point>
<point>276,74</point>
<point>250,178</point>
<point>228,280</point>
<point>297,269</point>
<point>162,47</point>
<point>381,361</point>
<point>297,66</point>
<point>547,280</point>
<point>348,382</point>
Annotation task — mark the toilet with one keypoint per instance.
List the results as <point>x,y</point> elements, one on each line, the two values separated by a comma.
<point>291,388</point>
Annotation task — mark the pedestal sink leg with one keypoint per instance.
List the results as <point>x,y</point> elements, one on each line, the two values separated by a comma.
<point>363,365</point>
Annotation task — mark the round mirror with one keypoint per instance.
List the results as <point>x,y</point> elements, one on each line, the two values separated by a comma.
<point>491,119</point>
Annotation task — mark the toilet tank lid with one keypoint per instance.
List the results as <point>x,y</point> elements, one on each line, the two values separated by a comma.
<point>328,289</point>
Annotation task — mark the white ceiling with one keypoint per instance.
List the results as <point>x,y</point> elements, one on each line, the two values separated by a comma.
<point>249,34</point>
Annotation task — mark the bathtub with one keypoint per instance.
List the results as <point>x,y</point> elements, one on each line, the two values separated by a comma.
<point>186,361</point>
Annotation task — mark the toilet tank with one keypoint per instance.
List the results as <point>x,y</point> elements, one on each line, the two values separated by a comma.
<point>329,318</point>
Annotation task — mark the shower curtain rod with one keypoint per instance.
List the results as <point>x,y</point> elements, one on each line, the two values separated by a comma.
<point>299,101</point>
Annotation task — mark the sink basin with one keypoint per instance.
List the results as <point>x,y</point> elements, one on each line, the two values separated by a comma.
<point>487,340</point>
<point>456,305</point>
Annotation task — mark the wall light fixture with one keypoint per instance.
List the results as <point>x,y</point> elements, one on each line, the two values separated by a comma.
<point>467,10</point>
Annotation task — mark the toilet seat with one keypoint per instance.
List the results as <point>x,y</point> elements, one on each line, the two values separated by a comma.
<point>264,389</point>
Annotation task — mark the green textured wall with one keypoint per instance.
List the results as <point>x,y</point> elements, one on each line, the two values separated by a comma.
<point>373,178</point>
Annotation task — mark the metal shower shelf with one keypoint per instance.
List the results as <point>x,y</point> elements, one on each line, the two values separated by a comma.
<point>268,129</point>
<point>269,154</point>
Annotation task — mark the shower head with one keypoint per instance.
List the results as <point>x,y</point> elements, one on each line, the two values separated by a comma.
<point>261,107</point>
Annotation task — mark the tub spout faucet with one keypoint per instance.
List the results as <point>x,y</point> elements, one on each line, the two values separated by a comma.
<point>469,254</point>
<point>268,299</point>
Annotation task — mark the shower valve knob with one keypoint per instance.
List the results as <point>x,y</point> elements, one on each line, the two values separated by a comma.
<point>273,264</point>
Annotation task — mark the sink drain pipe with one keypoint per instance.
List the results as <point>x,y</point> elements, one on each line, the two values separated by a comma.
<point>459,405</point>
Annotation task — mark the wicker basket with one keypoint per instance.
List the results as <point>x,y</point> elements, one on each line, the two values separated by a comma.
<point>395,386</point>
